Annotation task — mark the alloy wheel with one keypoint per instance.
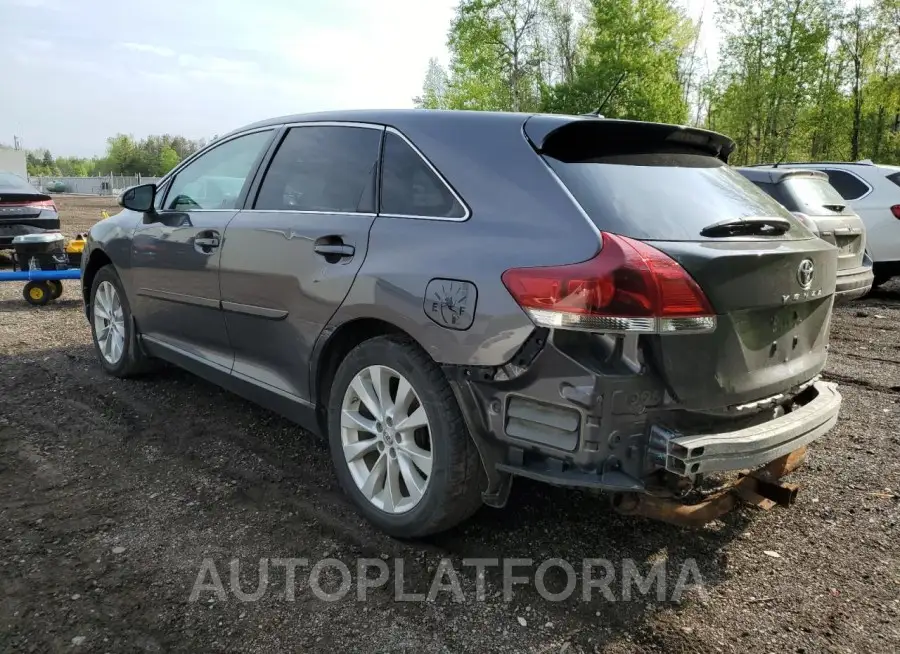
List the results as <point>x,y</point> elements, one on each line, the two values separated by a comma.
<point>109,322</point>
<point>386,439</point>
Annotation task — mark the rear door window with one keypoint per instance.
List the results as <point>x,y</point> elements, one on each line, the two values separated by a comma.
<point>665,195</point>
<point>409,186</point>
<point>323,169</point>
<point>849,186</point>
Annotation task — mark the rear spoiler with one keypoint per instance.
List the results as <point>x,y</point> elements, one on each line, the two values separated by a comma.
<point>547,132</point>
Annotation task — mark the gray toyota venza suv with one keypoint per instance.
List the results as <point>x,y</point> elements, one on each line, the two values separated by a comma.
<point>459,298</point>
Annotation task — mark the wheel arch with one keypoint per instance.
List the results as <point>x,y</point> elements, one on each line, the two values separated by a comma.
<point>334,347</point>
<point>98,258</point>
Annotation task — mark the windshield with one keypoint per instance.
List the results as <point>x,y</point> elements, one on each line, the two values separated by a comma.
<point>815,196</point>
<point>667,196</point>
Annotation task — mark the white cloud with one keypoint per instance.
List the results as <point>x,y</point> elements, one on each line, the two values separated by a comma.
<point>36,4</point>
<point>215,65</point>
<point>240,61</point>
<point>160,51</point>
<point>37,44</point>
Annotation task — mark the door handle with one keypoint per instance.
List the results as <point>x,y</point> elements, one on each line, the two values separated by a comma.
<point>335,250</point>
<point>206,244</point>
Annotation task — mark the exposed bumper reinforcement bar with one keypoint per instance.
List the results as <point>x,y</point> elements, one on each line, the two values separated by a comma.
<point>750,447</point>
<point>760,488</point>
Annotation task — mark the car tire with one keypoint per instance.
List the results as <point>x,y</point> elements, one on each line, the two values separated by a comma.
<point>127,359</point>
<point>452,492</point>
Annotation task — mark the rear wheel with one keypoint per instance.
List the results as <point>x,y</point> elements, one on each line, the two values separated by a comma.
<point>398,441</point>
<point>112,327</point>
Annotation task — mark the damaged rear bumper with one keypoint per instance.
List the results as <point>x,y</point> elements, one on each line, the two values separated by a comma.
<point>750,447</point>
<point>604,421</point>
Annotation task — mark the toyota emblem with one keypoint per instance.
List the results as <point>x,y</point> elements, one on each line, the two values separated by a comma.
<point>805,273</point>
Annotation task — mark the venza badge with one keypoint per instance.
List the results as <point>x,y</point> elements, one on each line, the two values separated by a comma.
<point>806,272</point>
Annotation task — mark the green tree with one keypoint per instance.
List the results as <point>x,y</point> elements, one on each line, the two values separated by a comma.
<point>861,36</point>
<point>434,90</point>
<point>566,55</point>
<point>496,55</point>
<point>168,159</point>
<point>775,58</point>
<point>641,42</point>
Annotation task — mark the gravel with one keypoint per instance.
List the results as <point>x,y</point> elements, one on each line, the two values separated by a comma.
<point>116,495</point>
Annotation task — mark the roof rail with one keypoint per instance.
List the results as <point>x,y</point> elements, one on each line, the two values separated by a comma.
<point>864,162</point>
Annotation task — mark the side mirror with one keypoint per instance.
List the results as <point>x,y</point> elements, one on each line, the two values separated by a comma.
<point>138,198</point>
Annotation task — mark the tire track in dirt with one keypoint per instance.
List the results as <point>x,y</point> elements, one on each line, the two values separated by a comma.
<point>319,502</point>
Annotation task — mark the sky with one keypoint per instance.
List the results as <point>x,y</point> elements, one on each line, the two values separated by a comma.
<point>74,72</point>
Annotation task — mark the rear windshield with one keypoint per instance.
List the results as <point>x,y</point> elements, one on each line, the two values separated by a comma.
<point>814,196</point>
<point>13,181</point>
<point>666,196</point>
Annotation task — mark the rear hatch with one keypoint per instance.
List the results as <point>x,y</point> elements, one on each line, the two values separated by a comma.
<point>768,279</point>
<point>810,193</point>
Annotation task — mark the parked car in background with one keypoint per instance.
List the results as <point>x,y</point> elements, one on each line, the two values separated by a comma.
<point>810,197</point>
<point>459,298</point>
<point>23,209</point>
<point>873,191</point>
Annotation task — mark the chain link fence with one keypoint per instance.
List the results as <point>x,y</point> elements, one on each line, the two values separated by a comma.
<point>105,185</point>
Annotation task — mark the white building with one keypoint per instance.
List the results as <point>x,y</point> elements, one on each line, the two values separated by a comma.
<point>13,161</point>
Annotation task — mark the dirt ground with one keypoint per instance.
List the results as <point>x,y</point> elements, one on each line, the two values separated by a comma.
<point>79,212</point>
<point>112,494</point>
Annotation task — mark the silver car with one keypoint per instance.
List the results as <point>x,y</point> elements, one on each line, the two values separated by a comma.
<point>873,192</point>
<point>809,195</point>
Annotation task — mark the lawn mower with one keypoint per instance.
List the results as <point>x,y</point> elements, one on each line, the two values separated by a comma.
<point>43,261</point>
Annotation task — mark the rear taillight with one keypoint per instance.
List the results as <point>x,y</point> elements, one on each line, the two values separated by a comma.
<point>628,286</point>
<point>37,204</point>
<point>896,210</point>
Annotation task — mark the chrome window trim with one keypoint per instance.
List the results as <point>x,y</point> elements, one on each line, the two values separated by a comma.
<point>315,213</point>
<point>199,211</point>
<point>333,123</point>
<point>466,209</point>
<point>329,123</point>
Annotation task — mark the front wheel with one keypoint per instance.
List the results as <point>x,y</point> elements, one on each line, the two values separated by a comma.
<point>112,327</point>
<point>399,444</point>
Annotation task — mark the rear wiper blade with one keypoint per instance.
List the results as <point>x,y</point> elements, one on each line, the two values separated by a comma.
<point>748,227</point>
